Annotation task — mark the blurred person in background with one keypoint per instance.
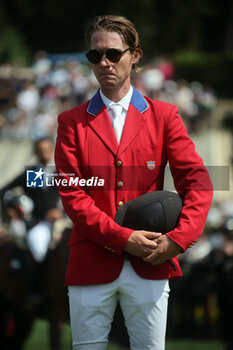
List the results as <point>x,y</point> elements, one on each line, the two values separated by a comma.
<point>45,205</point>
<point>28,98</point>
<point>115,130</point>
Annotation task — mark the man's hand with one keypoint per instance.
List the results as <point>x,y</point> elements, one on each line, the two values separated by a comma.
<point>166,249</point>
<point>142,243</point>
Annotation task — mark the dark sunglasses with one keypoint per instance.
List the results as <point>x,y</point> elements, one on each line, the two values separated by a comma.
<point>113,55</point>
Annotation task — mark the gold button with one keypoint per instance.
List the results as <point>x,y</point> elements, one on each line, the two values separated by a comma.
<point>119,162</point>
<point>120,204</point>
<point>120,183</point>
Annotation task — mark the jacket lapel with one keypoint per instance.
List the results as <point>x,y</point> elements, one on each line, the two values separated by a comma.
<point>100,122</point>
<point>134,120</point>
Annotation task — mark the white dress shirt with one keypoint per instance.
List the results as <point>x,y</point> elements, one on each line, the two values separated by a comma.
<point>124,103</point>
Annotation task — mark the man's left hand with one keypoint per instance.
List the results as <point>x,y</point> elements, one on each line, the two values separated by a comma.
<point>166,249</point>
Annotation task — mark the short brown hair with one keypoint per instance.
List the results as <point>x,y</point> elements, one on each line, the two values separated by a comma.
<point>118,24</point>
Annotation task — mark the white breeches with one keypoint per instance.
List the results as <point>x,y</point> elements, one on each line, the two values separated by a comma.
<point>143,303</point>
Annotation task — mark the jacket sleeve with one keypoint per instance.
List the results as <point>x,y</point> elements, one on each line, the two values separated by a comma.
<point>191,180</point>
<point>92,223</point>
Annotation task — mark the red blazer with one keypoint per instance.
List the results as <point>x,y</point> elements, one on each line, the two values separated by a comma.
<point>87,148</point>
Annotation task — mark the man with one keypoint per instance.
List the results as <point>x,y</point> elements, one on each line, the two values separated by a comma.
<point>107,262</point>
<point>46,205</point>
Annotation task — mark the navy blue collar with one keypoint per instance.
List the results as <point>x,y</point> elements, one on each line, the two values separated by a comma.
<point>137,100</point>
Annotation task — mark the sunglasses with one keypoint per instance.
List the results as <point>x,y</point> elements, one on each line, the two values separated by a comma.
<point>113,55</point>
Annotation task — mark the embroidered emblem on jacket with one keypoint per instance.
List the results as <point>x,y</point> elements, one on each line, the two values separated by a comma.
<point>150,164</point>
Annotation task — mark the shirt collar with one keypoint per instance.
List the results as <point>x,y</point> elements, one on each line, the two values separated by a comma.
<point>124,102</point>
<point>137,100</point>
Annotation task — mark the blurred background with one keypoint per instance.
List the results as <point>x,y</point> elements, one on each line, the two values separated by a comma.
<point>188,61</point>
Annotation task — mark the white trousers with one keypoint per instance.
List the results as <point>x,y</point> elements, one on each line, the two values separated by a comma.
<point>143,303</point>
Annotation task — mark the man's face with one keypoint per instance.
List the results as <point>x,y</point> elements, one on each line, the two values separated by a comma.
<point>44,151</point>
<point>112,75</point>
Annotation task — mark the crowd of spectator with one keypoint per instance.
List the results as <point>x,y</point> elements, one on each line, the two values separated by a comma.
<point>31,98</point>
<point>219,226</point>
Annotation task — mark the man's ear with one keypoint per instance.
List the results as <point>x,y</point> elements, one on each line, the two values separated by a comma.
<point>136,56</point>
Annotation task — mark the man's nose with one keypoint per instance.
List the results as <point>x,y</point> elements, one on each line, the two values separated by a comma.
<point>104,61</point>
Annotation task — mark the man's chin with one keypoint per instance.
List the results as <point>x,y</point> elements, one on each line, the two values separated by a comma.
<point>108,84</point>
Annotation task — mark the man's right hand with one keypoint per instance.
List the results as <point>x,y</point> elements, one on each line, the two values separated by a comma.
<point>141,243</point>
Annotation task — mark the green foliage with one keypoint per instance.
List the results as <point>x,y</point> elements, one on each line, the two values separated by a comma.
<point>12,46</point>
<point>164,26</point>
<point>193,57</point>
<point>213,69</point>
<point>197,34</point>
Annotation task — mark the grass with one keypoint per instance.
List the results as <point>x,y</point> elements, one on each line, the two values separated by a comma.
<point>194,345</point>
<point>39,341</point>
<point>39,338</point>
